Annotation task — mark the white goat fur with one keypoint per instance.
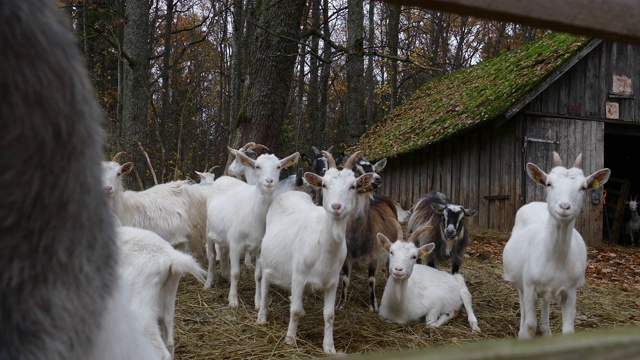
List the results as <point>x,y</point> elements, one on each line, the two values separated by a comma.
<point>414,291</point>
<point>546,257</point>
<point>304,246</point>
<point>151,269</point>
<point>236,213</point>
<point>175,210</point>
<point>633,225</point>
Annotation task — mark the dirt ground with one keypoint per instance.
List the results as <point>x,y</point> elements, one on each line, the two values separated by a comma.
<point>206,328</point>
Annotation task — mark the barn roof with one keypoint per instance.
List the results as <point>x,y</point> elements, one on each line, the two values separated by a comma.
<point>462,100</point>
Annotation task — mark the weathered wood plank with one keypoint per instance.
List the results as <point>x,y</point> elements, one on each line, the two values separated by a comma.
<point>619,343</point>
<point>586,17</point>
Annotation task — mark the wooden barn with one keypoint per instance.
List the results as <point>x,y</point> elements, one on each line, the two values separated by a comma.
<point>469,134</point>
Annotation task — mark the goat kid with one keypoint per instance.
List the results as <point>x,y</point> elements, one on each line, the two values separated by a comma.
<point>450,237</point>
<point>414,292</point>
<point>545,257</point>
<point>304,245</point>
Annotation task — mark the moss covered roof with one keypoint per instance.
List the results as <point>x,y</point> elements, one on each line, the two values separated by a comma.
<point>464,99</point>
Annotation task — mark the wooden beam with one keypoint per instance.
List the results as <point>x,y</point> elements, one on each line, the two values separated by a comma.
<point>613,20</point>
<point>618,343</point>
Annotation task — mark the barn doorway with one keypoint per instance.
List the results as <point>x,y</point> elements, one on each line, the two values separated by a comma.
<point>622,156</point>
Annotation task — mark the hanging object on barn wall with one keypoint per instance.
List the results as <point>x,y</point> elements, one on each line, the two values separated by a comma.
<point>612,110</point>
<point>621,85</point>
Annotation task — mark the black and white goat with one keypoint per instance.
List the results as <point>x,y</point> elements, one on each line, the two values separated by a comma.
<point>450,234</point>
<point>61,296</point>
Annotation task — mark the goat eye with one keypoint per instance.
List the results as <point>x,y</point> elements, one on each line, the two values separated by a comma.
<point>548,184</point>
<point>414,257</point>
<point>353,187</point>
<point>390,252</point>
<point>584,188</point>
<point>279,167</point>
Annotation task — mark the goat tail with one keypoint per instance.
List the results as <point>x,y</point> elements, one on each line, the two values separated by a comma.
<point>182,263</point>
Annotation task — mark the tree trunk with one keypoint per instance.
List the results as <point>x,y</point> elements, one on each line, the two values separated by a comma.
<point>368,76</point>
<point>312,99</point>
<point>393,34</point>
<point>135,83</point>
<point>355,72</point>
<point>270,73</point>
<point>166,112</point>
<point>325,73</point>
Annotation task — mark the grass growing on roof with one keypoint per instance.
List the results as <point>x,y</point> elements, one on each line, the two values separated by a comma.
<point>468,97</point>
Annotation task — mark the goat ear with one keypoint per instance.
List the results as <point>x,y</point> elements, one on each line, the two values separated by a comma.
<point>290,160</point>
<point>232,151</point>
<point>536,174</point>
<point>471,212</point>
<point>380,165</point>
<point>245,160</point>
<point>384,241</point>
<point>424,250</point>
<point>598,179</point>
<point>439,208</point>
<point>126,167</point>
<point>313,179</point>
<point>365,183</point>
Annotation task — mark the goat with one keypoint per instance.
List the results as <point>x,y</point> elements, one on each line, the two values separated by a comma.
<point>450,236</point>
<point>319,162</point>
<point>236,213</point>
<point>633,225</point>
<point>403,215</point>
<point>61,297</point>
<point>151,269</point>
<point>415,291</point>
<point>545,256</point>
<point>304,245</point>
<point>237,169</point>
<point>375,213</point>
<point>174,210</point>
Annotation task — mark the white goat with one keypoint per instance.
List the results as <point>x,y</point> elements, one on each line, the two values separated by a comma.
<point>174,210</point>
<point>414,291</point>
<point>236,213</point>
<point>633,225</point>
<point>151,269</point>
<point>304,246</point>
<point>237,169</point>
<point>546,257</point>
<point>61,297</point>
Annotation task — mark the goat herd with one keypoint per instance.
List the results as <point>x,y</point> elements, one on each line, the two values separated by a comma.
<point>71,292</point>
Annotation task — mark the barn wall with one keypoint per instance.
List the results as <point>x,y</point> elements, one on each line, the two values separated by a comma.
<point>467,169</point>
<point>585,88</point>
<point>485,169</point>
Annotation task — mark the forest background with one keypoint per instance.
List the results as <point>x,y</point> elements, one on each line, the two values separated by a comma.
<point>180,80</point>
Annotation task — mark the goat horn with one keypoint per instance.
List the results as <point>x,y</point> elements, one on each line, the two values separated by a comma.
<point>330,161</point>
<point>556,159</point>
<point>247,146</point>
<point>330,149</point>
<point>352,159</point>
<point>259,146</point>
<point>315,150</point>
<point>213,167</point>
<point>117,156</point>
<point>578,163</point>
<point>420,231</point>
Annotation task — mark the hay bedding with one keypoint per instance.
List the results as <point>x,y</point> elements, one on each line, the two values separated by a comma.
<point>206,328</point>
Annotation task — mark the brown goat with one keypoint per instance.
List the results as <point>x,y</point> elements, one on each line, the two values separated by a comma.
<point>378,215</point>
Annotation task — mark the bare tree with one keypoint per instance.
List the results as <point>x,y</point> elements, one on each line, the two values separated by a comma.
<point>136,78</point>
<point>355,71</point>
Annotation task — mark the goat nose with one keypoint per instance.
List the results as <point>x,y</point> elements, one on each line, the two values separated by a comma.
<point>398,268</point>
<point>565,206</point>
<point>269,181</point>
<point>336,206</point>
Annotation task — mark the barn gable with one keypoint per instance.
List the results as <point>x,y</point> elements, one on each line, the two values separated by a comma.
<point>469,134</point>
